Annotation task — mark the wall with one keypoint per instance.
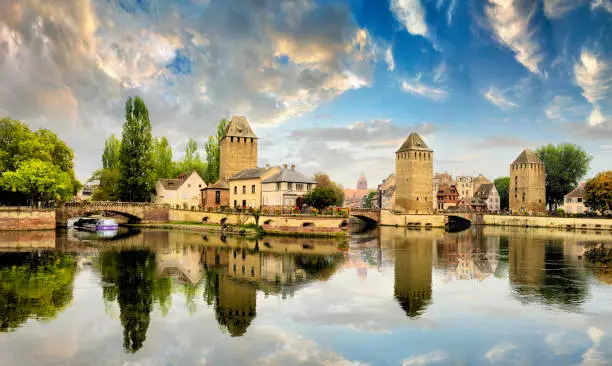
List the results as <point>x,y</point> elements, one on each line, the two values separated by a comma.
<point>388,218</point>
<point>213,217</point>
<point>237,154</point>
<point>188,194</point>
<point>528,180</point>
<point>208,197</point>
<point>26,219</point>
<point>273,197</point>
<point>551,222</point>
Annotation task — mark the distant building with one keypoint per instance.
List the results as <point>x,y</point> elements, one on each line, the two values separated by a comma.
<point>527,183</point>
<point>285,187</point>
<point>447,197</point>
<point>488,193</point>
<point>183,192</point>
<point>85,193</point>
<point>216,195</point>
<point>465,186</point>
<point>478,181</point>
<point>440,179</point>
<point>245,186</point>
<point>362,183</point>
<point>573,202</point>
<point>471,204</point>
<point>414,176</point>
<point>386,193</point>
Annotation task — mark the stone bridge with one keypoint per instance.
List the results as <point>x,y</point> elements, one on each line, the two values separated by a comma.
<point>144,213</point>
<point>366,214</point>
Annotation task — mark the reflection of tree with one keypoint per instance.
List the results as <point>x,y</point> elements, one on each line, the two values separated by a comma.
<point>318,266</point>
<point>539,271</point>
<point>129,277</point>
<point>413,267</point>
<point>37,285</point>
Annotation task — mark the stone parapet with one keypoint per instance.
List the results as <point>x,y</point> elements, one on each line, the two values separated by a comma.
<point>20,218</point>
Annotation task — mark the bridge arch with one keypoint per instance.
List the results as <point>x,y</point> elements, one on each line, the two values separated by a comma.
<point>134,212</point>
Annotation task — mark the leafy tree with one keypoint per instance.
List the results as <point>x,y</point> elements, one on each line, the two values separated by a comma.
<point>598,192</point>
<point>162,157</point>
<point>12,134</point>
<point>41,181</point>
<point>502,185</point>
<point>323,181</point>
<point>213,153</point>
<point>367,202</point>
<point>136,163</point>
<point>108,190</point>
<point>565,165</point>
<point>112,151</point>
<point>321,198</point>
<point>192,160</point>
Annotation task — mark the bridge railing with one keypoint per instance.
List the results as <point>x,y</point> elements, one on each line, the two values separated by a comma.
<point>112,203</point>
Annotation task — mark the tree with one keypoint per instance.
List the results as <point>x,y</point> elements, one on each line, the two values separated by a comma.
<point>502,185</point>
<point>162,159</point>
<point>565,165</point>
<point>321,198</point>
<point>323,181</point>
<point>213,153</point>
<point>136,160</point>
<point>598,192</point>
<point>112,151</point>
<point>192,160</point>
<point>108,190</point>
<point>367,202</point>
<point>41,181</point>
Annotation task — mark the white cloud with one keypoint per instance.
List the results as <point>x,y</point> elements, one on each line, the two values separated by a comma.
<point>596,118</point>
<point>594,76</point>
<point>602,4</point>
<point>450,12</point>
<point>593,356</point>
<point>440,73</point>
<point>435,357</point>
<point>417,87</point>
<point>510,23</point>
<point>558,8</point>
<point>496,97</point>
<point>499,352</point>
<point>565,108</point>
<point>412,14</point>
<point>389,59</point>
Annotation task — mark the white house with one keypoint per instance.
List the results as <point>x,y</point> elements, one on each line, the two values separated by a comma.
<point>488,193</point>
<point>283,188</point>
<point>183,192</point>
<point>573,202</point>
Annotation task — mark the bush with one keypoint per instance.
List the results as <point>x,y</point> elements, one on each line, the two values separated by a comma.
<point>560,212</point>
<point>599,255</point>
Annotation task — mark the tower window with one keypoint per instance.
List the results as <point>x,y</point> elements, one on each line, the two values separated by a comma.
<point>252,140</point>
<point>232,139</point>
<point>243,189</point>
<point>245,139</point>
<point>253,188</point>
<point>235,189</point>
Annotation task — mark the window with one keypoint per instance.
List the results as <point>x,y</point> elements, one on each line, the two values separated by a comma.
<point>299,187</point>
<point>235,203</point>
<point>185,195</point>
<point>199,186</point>
<point>253,188</point>
<point>278,186</point>
<point>217,197</point>
<point>579,199</point>
<point>243,203</point>
<point>523,196</point>
<point>188,185</point>
<point>579,209</point>
<point>235,189</point>
<point>265,200</point>
<point>231,139</point>
<point>243,189</point>
<point>308,187</point>
<point>289,186</point>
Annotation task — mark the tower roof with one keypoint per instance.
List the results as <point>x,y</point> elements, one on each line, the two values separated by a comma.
<point>239,127</point>
<point>527,157</point>
<point>414,142</point>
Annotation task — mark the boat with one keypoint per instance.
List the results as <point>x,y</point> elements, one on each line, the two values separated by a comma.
<point>96,224</point>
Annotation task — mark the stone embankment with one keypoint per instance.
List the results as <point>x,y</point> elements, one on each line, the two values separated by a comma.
<point>21,218</point>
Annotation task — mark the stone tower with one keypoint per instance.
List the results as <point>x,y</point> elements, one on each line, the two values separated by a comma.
<point>527,183</point>
<point>238,148</point>
<point>414,176</point>
<point>362,183</point>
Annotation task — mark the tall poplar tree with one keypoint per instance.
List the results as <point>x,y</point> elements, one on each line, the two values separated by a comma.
<point>162,157</point>
<point>136,160</point>
<point>112,151</point>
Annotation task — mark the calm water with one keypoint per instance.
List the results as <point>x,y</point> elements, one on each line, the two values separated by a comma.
<point>392,297</point>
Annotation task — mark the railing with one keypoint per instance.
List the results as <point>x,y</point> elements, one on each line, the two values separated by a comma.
<point>111,203</point>
<point>310,212</point>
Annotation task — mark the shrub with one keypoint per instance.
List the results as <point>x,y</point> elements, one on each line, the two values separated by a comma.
<point>599,255</point>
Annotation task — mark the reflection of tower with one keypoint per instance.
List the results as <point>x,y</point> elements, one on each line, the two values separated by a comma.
<point>362,183</point>
<point>527,264</point>
<point>413,267</point>
<point>236,304</point>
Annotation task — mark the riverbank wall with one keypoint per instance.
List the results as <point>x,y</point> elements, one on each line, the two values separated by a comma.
<point>584,223</point>
<point>22,218</point>
<point>388,218</point>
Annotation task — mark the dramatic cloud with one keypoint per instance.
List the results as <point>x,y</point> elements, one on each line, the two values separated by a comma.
<point>510,22</point>
<point>70,65</point>
<point>432,358</point>
<point>558,8</point>
<point>389,59</point>
<point>412,14</point>
<point>602,4</point>
<point>565,108</point>
<point>496,97</point>
<point>416,87</point>
<point>594,76</point>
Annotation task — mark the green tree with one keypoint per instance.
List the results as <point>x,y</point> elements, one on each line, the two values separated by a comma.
<point>162,157</point>
<point>213,153</point>
<point>136,162</point>
<point>41,181</point>
<point>112,151</point>
<point>565,165</point>
<point>108,190</point>
<point>192,160</point>
<point>12,134</point>
<point>367,202</point>
<point>502,185</point>
<point>323,181</point>
<point>598,192</point>
<point>321,198</point>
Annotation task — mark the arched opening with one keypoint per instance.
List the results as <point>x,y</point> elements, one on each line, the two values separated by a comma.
<point>344,225</point>
<point>223,221</point>
<point>268,222</point>
<point>204,219</point>
<point>308,224</point>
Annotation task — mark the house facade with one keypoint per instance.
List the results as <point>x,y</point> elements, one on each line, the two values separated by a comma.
<point>216,195</point>
<point>245,187</point>
<point>465,186</point>
<point>447,197</point>
<point>573,202</point>
<point>488,193</point>
<point>282,189</point>
<point>183,192</point>
<point>386,193</point>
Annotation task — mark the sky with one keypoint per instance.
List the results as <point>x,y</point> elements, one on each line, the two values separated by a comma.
<point>331,86</point>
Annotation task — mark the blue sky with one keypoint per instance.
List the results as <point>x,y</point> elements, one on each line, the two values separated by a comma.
<point>331,86</point>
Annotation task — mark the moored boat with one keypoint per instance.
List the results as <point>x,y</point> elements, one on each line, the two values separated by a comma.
<point>97,224</point>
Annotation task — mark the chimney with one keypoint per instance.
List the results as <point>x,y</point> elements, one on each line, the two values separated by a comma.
<point>285,166</point>
<point>292,166</point>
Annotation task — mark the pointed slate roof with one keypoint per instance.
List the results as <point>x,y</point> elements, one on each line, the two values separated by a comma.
<point>289,175</point>
<point>576,193</point>
<point>414,142</point>
<point>252,173</point>
<point>239,127</point>
<point>527,157</point>
<point>484,191</point>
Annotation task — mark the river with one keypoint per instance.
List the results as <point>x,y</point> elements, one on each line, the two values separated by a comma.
<point>388,297</point>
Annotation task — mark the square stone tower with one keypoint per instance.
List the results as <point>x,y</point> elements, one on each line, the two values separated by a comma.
<point>414,177</point>
<point>527,183</point>
<point>238,148</point>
